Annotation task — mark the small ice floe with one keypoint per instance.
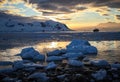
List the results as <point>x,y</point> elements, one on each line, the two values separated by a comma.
<point>30,69</point>
<point>28,65</point>
<point>101,63</point>
<point>6,70</point>
<point>75,63</point>
<point>100,75</point>
<point>54,58</point>
<point>4,63</point>
<point>78,43</point>
<point>117,65</point>
<point>61,77</point>
<point>90,50</point>
<point>56,52</point>
<point>86,59</point>
<point>8,79</point>
<point>39,77</point>
<point>39,57</point>
<point>83,49</point>
<point>31,54</point>
<point>18,65</point>
<point>73,55</point>
<point>51,65</point>
<point>77,46</point>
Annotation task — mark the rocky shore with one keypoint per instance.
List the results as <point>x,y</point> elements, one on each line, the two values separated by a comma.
<point>66,65</point>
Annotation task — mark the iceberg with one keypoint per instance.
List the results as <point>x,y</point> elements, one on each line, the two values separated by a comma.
<point>51,65</point>
<point>3,63</point>
<point>54,58</point>
<point>76,42</point>
<point>81,46</point>
<point>31,54</point>
<point>99,63</point>
<point>83,49</point>
<point>75,63</point>
<point>61,77</point>
<point>39,77</point>
<point>6,70</point>
<point>115,66</point>
<point>86,59</point>
<point>8,79</point>
<point>18,65</point>
<point>100,75</point>
<point>26,65</point>
<point>54,53</point>
<point>73,55</point>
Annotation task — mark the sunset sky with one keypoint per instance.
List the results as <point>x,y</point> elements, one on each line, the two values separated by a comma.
<point>75,14</point>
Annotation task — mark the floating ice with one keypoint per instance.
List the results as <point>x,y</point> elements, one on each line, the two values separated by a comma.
<point>86,59</point>
<point>99,62</point>
<point>24,65</point>
<point>78,43</point>
<point>51,65</point>
<point>31,54</point>
<point>39,77</point>
<point>83,49</point>
<point>75,63</point>
<point>3,63</point>
<point>18,65</point>
<point>100,75</point>
<point>73,55</point>
<point>77,46</point>
<point>61,77</point>
<point>8,79</point>
<point>54,58</point>
<point>6,70</point>
<point>115,66</point>
<point>56,52</point>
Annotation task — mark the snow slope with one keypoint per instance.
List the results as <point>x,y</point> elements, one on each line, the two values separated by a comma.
<point>10,25</point>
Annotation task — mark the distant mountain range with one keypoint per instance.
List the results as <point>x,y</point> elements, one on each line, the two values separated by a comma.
<point>11,25</point>
<point>109,26</point>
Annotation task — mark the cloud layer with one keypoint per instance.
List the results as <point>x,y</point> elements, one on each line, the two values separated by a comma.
<point>70,6</point>
<point>75,13</point>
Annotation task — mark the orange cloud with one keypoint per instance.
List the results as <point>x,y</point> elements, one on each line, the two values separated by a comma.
<point>2,2</point>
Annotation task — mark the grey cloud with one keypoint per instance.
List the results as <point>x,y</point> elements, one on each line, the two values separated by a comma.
<point>69,5</point>
<point>35,1</point>
<point>45,13</point>
<point>81,8</point>
<point>114,4</point>
<point>5,16</point>
<point>46,6</point>
<point>110,3</point>
<point>64,9</point>
<point>105,14</point>
<point>118,17</point>
<point>98,11</point>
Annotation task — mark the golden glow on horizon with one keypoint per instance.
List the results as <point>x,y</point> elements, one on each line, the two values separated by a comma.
<point>80,16</point>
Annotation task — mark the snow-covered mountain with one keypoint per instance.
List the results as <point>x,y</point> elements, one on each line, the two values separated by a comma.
<point>10,25</point>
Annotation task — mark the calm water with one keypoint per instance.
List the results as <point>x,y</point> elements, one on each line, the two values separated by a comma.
<point>108,50</point>
<point>107,43</point>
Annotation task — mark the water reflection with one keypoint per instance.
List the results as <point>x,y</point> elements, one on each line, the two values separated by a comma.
<point>49,46</point>
<point>106,45</point>
<point>108,50</point>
